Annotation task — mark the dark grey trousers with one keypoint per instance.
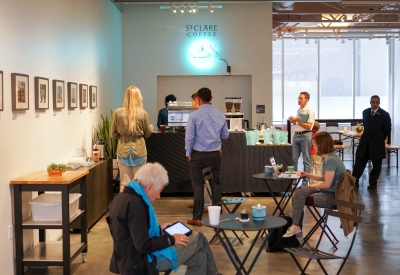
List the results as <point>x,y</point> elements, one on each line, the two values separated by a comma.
<point>198,162</point>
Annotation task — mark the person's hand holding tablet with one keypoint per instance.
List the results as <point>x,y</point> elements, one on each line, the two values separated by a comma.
<point>179,231</point>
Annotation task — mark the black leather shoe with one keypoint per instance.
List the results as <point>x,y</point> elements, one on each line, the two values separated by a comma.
<point>372,187</point>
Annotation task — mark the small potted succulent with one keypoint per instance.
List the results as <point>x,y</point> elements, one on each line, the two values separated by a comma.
<point>56,169</point>
<point>280,167</point>
<point>359,127</point>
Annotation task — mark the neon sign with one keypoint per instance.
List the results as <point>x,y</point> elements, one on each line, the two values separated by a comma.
<point>202,54</point>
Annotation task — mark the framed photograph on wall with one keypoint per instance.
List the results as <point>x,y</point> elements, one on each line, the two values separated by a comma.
<point>1,91</point>
<point>72,95</point>
<point>93,96</point>
<point>41,93</point>
<point>19,92</point>
<point>83,96</point>
<point>58,94</point>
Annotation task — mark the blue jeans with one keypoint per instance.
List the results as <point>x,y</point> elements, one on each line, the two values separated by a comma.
<point>302,144</point>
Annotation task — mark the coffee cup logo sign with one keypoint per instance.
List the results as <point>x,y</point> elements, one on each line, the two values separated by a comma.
<point>202,53</point>
<point>201,30</point>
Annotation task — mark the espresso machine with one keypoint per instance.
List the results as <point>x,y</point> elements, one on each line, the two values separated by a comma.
<point>234,118</point>
<point>178,113</point>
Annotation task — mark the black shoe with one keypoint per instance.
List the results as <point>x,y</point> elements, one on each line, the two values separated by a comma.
<point>372,187</point>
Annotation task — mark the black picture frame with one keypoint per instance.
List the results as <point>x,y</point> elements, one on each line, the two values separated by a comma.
<point>72,88</point>
<point>19,92</point>
<point>83,96</point>
<point>42,98</point>
<point>93,96</point>
<point>58,94</point>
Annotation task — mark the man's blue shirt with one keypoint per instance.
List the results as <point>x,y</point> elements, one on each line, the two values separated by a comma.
<point>205,129</point>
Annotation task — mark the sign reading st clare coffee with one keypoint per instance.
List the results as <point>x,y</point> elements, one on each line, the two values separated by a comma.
<point>201,30</point>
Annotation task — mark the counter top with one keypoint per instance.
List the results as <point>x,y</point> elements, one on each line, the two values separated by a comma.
<point>41,177</point>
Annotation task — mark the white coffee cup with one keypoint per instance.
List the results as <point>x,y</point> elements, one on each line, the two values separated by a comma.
<point>213,214</point>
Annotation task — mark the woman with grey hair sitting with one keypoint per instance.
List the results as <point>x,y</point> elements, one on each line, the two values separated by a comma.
<point>140,245</point>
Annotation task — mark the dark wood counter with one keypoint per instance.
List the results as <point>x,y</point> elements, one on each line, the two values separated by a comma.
<point>239,161</point>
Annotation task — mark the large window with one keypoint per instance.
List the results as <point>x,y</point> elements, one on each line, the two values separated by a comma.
<point>340,77</point>
<point>336,74</point>
<point>300,74</point>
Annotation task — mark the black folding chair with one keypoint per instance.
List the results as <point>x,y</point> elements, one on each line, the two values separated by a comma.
<point>208,176</point>
<point>313,253</point>
<point>320,219</point>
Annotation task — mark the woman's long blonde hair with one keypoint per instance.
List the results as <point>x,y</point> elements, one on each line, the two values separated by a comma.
<point>133,101</point>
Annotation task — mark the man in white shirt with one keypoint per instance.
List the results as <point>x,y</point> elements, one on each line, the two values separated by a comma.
<point>301,143</point>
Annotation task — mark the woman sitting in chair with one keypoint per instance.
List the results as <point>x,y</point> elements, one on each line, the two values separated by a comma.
<point>332,171</point>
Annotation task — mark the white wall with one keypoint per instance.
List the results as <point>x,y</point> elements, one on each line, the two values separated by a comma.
<point>155,43</point>
<point>396,93</point>
<point>71,40</point>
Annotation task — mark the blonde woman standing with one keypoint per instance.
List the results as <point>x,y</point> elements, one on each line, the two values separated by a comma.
<point>130,125</point>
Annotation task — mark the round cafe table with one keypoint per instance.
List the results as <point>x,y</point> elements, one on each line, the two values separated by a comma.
<point>229,223</point>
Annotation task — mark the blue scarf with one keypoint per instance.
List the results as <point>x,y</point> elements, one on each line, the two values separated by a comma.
<point>154,230</point>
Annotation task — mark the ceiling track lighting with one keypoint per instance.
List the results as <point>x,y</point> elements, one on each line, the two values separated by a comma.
<point>344,18</point>
<point>182,8</point>
<point>342,41</point>
<point>370,36</point>
<point>210,7</point>
<point>387,41</point>
<point>173,8</point>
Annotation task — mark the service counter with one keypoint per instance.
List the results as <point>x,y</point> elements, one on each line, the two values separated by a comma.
<point>239,161</point>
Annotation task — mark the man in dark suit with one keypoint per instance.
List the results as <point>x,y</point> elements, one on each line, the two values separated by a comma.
<point>377,127</point>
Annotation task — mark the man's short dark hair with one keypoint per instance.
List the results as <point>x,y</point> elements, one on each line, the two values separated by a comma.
<point>169,98</point>
<point>204,94</point>
<point>375,96</point>
<point>306,95</point>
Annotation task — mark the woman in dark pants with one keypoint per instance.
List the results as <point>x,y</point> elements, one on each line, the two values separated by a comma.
<point>332,171</point>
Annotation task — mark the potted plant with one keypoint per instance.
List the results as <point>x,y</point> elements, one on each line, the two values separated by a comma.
<point>359,127</point>
<point>104,132</point>
<point>56,169</point>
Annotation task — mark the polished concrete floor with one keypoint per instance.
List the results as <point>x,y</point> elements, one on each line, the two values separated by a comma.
<point>375,250</point>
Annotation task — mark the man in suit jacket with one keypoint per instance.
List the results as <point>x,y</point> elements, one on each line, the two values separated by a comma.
<point>377,127</point>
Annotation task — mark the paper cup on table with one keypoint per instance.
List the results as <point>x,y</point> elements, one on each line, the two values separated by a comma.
<point>213,214</point>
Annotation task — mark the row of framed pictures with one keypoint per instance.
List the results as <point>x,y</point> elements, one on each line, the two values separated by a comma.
<point>20,93</point>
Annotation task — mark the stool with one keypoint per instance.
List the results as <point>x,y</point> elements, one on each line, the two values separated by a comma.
<point>320,221</point>
<point>207,175</point>
<point>392,150</point>
<point>339,149</point>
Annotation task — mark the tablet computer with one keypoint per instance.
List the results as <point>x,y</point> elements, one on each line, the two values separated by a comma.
<point>178,228</point>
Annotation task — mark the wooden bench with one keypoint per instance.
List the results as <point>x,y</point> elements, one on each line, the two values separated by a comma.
<point>339,149</point>
<point>392,150</point>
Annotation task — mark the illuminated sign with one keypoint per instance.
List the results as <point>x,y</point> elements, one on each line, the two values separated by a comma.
<point>202,53</point>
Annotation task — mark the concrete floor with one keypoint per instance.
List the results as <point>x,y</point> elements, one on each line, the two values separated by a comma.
<point>374,251</point>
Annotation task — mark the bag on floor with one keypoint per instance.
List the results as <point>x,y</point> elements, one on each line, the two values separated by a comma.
<point>276,243</point>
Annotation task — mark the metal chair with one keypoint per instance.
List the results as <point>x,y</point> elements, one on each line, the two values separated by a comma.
<point>320,223</point>
<point>313,253</point>
<point>207,175</point>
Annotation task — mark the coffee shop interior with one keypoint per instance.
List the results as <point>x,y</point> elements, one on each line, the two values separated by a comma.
<point>259,56</point>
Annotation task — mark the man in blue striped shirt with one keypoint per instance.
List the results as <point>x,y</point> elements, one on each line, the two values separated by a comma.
<point>204,130</point>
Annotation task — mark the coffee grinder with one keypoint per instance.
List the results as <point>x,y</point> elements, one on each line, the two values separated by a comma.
<point>234,118</point>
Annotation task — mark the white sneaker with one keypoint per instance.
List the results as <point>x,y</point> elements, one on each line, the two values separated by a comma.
<point>290,232</point>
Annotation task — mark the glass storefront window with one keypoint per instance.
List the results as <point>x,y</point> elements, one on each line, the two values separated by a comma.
<point>336,75</point>
<point>300,74</point>
<point>372,73</point>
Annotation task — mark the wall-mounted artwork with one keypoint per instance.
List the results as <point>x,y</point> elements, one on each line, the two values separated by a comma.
<point>83,96</point>
<point>72,95</point>
<point>93,97</point>
<point>58,94</point>
<point>19,92</point>
<point>1,91</point>
<point>41,93</point>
